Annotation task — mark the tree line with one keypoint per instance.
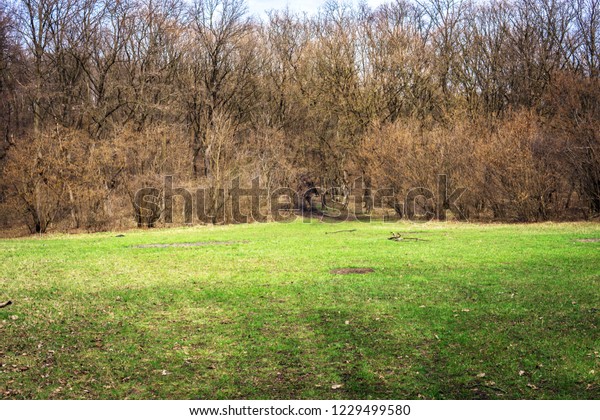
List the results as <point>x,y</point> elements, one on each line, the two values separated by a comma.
<point>100,98</point>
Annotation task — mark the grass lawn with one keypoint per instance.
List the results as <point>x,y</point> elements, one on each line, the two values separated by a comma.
<point>472,311</point>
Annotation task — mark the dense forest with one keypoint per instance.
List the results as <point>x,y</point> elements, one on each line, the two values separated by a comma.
<point>101,98</point>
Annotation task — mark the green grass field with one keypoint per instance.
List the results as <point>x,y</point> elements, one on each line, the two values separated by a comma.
<point>471,311</point>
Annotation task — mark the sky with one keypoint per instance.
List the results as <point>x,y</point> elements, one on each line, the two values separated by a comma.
<point>259,7</point>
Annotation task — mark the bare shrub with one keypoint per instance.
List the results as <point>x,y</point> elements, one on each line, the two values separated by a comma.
<point>519,181</point>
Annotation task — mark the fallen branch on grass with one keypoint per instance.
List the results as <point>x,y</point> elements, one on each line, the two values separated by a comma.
<point>340,231</point>
<point>398,237</point>
<point>5,304</point>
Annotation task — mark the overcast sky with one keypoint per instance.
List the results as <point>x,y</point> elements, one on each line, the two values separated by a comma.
<point>258,7</point>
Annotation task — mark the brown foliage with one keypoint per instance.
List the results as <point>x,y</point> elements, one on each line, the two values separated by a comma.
<point>100,99</point>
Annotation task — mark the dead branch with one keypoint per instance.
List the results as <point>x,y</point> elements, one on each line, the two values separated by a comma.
<point>398,237</point>
<point>340,231</point>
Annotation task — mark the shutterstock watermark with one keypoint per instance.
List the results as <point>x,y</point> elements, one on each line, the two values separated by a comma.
<point>255,203</point>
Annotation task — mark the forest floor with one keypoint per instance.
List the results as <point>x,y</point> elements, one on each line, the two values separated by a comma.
<point>294,311</point>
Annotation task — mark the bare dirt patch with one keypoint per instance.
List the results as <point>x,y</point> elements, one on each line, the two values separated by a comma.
<point>589,240</point>
<point>363,270</point>
<point>189,244</point>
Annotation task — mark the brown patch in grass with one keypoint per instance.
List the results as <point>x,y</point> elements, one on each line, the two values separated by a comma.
<point>189,244</point>
<point>589,240</point>
<point>363,270</point>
